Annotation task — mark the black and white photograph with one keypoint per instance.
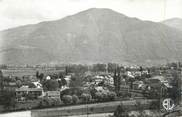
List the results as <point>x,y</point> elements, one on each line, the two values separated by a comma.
<point>90,58</point>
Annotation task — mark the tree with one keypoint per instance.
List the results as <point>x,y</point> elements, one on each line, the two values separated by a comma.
<point>19,83</point>
<point>1,81</point>
<point>99,96</point>
<point>54,76</point>
<point>86,97</point>
<point>131,80</point>
<point>111,96</point>
<point>60,75</point>
<point>117,80</point>
<point>39,76</point>
<point>72,91</point>
<point>175,92</point>
<point>93,91</point>
<point>44,102</point>
<point>66,70</point>
<point>141,69</point>
<point>99,67</point>
<point>76,68</point>
<point>121,111</point>
<point>77,80</point>
<point>8,99</point>
<point>47,102</point>
<point>64,82</point>
<point>75,99</point>
<point>67,99</point>
<point>50,85</point>
<point>112,67</point>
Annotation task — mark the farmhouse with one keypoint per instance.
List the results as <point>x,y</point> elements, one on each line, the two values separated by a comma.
<point>157,81</point>
<point>52,94</point>
<point>138,84</point>
<point>24,93</point>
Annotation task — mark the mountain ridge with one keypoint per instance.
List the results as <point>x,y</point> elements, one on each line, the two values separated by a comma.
<point>94,35</point>
<point>174,23</point>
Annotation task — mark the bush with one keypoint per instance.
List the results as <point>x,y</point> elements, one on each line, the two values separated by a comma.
<point>72,91</point>
<point>86,97</point>
<point>8,99</point>
<point>93,92</point>
<point>47,102</point>
<point>31,104</point>
<point>67,99</point>
<point>75,99</point>
<point>99,96</point>
<point>121,111</point>
<point>105,96</point>
<point>111,96</point>
<point>50,102</point>
<point>56,101</point>
<point>43,103</point>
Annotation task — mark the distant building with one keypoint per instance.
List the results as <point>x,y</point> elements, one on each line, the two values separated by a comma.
<point>31,78</point>
<point>52,94</point>
<point>124,87</point>
<point>101,89</point>
<point>24,93</point>
<point>18,72</point>
<point>160,78</point>
<point>138,84</point>
<point>158,81</point>
<point>37,84</point>
<point>106,79</point>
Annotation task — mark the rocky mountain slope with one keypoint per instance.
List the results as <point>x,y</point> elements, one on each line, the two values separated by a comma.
<point>91,36</point>
<point>174,22</point>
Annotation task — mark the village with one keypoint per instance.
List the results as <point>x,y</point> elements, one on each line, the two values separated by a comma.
<point>48,87</point>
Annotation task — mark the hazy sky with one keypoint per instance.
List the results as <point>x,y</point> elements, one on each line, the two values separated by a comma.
<point>20,12</point>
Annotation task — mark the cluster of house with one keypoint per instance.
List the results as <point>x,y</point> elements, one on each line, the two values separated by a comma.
<point>24,92</point>
<point>133,74</point>
<point>103,79</point>
<point>97,81</point>
<point>154,82</point>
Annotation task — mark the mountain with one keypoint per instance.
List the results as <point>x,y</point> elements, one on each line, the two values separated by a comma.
<point>174,22</point>
<point>91,36</point>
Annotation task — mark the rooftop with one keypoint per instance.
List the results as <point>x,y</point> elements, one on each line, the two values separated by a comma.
<point>29,89</point>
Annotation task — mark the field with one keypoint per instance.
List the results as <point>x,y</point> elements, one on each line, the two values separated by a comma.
<point>107,107</point>
<point>30,71</point>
